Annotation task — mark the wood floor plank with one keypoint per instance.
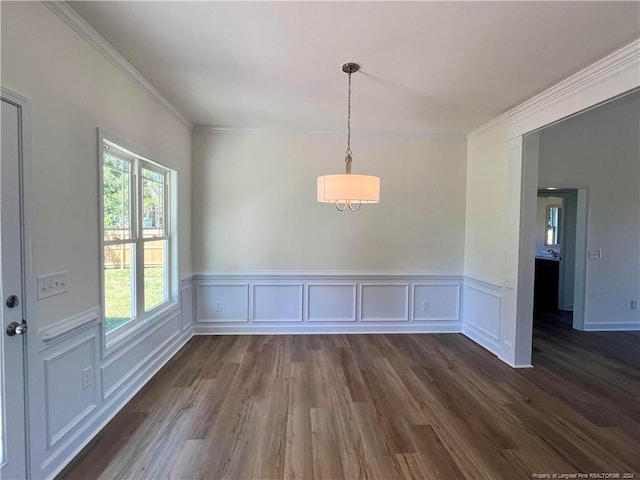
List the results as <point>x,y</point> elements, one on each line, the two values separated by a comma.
<point>348,438</point>
<point>414,467</point>
<point>326,459</point>
<point>298,461</point>
<point>187,463</point>
<point>378,407</point>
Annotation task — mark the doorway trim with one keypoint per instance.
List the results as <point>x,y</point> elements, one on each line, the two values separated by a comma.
<point>28,277</point>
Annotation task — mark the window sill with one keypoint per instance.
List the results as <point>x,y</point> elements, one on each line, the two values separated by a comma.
<point>119,339</point>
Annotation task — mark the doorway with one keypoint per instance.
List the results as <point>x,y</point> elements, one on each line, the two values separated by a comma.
<point>13,312</point>
<point>560,243</point>
<point>594,152</point>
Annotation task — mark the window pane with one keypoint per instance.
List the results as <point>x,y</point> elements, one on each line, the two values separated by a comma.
<point>153,218</point>
<point>116,176</point>
<point>119,282</point>
<point>155,272</point>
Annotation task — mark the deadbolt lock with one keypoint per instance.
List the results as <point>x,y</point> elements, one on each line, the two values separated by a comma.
<point>13,301</point>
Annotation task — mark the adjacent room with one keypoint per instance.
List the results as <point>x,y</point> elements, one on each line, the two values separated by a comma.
<point>320,240</point>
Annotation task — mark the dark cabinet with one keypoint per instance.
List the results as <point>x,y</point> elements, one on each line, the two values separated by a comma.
<point>545,294</point>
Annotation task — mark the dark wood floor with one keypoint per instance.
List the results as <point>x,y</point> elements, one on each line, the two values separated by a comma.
<point>378,406</point>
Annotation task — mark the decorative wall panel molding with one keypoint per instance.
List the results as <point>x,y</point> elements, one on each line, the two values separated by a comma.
<point>292,303</point>
<point>83,387</point>
<point>276,302</point>
<point>442,302</point>
<point>381,302</point>
<point>331,302</point>
<point>186,302</point>
<point>117,370</point>
<point>482,312</point>
<point>69,396</point>
<point>222,302</point>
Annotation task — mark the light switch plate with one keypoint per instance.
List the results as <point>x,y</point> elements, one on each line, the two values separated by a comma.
<point>595,254</point>
<point>52,284</point>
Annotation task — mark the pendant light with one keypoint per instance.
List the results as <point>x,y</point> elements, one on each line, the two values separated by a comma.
<point>348,190</point>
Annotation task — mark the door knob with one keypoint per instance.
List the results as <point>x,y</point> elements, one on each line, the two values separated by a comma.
<point>15,328</point>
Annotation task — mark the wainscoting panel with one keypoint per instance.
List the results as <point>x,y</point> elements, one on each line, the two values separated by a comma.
<point>384,303</point>
<point>69,396</point>
<point>186,303</point>
<point>117,370</point>
<point>291,303</point>
<point>277,302</point>
<point>78,386</point>
<point>482,309</point>
<point>436,302</point>
<point>331,302</point>
<point>223,303</point>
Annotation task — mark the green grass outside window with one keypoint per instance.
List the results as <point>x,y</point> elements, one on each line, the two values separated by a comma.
<point>117,295</point>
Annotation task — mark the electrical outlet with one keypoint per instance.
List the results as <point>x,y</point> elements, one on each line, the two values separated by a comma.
<point>87,377</point>
<point>52,284</point>
<point>219,306</point>
<point>425,305</point>
<point>634,304</point>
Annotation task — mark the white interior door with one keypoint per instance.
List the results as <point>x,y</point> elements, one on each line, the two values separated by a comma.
<point>12,339</point>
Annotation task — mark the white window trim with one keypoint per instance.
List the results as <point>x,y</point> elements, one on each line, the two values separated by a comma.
<point>126,151</point>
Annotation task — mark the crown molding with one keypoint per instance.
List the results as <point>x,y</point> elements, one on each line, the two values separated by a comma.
<point>86,31</point>
<point>362,134</point>
<point>617,62</point>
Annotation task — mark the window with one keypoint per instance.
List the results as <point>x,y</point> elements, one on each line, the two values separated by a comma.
<point>136,237</point>
<point>552,237</point>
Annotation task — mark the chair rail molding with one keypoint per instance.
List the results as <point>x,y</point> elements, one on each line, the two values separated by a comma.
<point>69,326</point>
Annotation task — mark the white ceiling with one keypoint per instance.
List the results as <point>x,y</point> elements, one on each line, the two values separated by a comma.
<point>427,67</point>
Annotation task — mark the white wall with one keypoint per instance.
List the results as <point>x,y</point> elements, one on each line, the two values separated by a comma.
<point>486,206</point>
<point>272,259</point>
<point>254,204</point>
<point>485,261</point>
<point>73,89</point>
<point>600,149</point>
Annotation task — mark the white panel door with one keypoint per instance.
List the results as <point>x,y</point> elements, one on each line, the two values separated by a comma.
<point>12,338</point>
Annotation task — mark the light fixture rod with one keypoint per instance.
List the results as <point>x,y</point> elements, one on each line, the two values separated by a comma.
<point>349,68</point>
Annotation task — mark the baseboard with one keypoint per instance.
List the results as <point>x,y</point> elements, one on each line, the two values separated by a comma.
<point>612,327</point>
<point>516,365</point>
<point>481,339</point>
